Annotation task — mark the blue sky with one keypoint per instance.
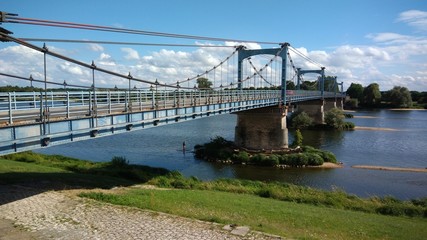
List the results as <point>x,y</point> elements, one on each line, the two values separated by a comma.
<point>364,41</point>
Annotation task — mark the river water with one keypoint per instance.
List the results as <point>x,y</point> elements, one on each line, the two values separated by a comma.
<point>403,143</point>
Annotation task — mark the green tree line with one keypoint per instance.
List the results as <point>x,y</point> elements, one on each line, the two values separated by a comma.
<point>371,96</point>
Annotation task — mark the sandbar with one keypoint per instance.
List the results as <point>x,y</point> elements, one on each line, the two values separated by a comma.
<point>375,128</point>
<point>390,168</point>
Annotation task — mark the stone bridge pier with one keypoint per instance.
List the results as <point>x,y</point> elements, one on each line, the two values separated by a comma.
<point>263,128</point>
<point>317,108</point>
<point>314,109</point>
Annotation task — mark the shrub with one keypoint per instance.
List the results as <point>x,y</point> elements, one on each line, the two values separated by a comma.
<point>272,160</point>
<point>284,159</point>
<point>326,155</point>
<point>217,148</point>
<point>398,209</point>
<point>297,159</point>
<point>241,157</point>
<point>119,161</point>
<point>334,118</point>
<point>348,126</point>
<point>298,139</point>
<point>301,120</point>
<point>258,159</point>
<point>313,159</point>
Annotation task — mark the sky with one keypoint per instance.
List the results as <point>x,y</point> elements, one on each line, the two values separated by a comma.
<point>363,41</point>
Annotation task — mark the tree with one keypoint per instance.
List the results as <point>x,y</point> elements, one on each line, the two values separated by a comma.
<point>311,86</point>
<point>298,139</point>
<point>204,83</point>
<point>300,120</point>
<point>335,118</point>
<point>400,97</point>
<point>330,84</point>
<point>372,95</point>
<point>355,91</point>
<point>290,85</point>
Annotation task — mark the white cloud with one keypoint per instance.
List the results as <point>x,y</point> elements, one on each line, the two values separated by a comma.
<point>388,37</point>
<point>414,18</point>
<point>131,54</point>
<point>390,58</point>
<point>105,59</point>
<point>96,47</point>
<point>72,69</point>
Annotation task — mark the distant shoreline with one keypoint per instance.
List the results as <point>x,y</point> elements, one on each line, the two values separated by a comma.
<point>390,168</point>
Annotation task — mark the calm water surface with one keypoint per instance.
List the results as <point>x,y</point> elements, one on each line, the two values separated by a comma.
<point>405,146</point>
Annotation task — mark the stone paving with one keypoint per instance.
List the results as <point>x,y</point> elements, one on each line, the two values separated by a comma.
<point>62,215</point>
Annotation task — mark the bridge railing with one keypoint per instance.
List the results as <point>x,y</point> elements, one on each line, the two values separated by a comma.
<point>36,106</point>
<point>41,106</point>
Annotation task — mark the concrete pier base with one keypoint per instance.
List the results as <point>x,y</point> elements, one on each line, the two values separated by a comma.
<point>314,109</point>
<point>263,128</point>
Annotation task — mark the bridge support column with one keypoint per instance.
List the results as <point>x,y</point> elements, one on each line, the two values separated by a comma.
<point>263,128</point>
<point>340,103</point>
<point>329,104</point>
<point>314,108</point>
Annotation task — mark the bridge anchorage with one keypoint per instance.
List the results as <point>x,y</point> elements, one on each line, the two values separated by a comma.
<point>258,95</point>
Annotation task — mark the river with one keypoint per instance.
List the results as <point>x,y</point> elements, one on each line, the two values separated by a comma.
<point>402,144</point>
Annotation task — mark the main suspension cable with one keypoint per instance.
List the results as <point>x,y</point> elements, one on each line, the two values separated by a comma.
<point>49,23</point>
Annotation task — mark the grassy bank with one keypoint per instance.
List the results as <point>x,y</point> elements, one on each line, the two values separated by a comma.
<point>288,219</point>
<point>29,167</point>
<point>277,208</point>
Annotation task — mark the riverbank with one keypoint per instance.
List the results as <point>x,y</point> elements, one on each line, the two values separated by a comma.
<point>283,209</point>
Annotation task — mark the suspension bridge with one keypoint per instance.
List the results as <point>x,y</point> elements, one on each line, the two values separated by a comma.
<point>259,85</point>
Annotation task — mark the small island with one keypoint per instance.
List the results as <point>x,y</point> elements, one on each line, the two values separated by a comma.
<point>224,151</point>
<point>296,156</point>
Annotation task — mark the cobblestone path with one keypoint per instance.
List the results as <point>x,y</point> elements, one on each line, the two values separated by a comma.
<point>62,215</point>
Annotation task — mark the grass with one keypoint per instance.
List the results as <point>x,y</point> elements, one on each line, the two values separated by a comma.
<point>292,193</point>
<point>33,167</point>
<point>277,208</point>
<point>289,219</point>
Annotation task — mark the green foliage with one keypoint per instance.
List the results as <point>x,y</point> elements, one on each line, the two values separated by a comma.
<point>348,115</point>
<point>217,149</point>
<point>119,162</point>
<point>372,95</point>
<point>334,118</point>
<point>399,97</point>
<point>301,120</point>
<point>220,149</point>
<point>330,84</point>
<point>298,139</point>
<point>241,157</point>
<point>355,91</point>
<point>288,192</point>
<point>10,88</point>
<point>309,85</point>
<point>288,219</point>
<point>327,156</point>
<point>203,83</point>
<point>118,167</point>
<point>348,126</point>
<point>290,85</point>
<point>313,159</point>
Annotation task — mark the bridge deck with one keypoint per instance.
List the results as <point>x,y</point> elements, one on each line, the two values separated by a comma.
<point>33,120</point>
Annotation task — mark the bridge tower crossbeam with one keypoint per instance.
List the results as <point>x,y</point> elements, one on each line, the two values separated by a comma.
<point>301,72</point>
<point>246,53</point>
